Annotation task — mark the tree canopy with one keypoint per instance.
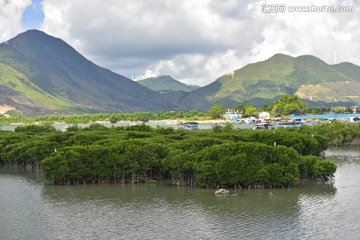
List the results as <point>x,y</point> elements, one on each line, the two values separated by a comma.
<point>289,104</point>
<point>217,110</point>
<point>206,158</point>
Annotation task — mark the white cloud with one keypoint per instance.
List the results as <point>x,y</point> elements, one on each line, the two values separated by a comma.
<point>318,33</point>
<point>10,17</point>
<point>198,41</point>
<point>56,23</point>
<point>197,67</point>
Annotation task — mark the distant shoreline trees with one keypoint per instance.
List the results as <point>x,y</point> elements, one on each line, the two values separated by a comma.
<point>287,104</point>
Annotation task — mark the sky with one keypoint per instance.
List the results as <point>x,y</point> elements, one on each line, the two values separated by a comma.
<point>194,41</point>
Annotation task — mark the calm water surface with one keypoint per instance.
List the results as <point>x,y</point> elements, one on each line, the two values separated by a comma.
<point>30,209</point>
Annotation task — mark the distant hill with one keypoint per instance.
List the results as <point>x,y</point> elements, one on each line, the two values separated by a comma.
<point>306,76</point>
<point>166,83</point>
<point>42,74</point>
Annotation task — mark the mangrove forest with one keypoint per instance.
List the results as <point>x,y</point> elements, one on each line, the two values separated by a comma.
<point>136,154</point>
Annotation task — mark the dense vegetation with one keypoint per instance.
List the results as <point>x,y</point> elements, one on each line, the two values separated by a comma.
<point>338,133</point>
<point>113,118</point>
<point>233,158</point>
<point>287,104</point>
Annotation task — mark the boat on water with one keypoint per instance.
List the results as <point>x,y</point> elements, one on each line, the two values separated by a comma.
<point>191,126</point>
<point>264,126</point>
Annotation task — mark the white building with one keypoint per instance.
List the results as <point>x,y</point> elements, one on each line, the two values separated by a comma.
<point>249,120</point>
<point>264,116</point>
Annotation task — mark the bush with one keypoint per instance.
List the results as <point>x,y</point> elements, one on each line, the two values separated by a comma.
<point>35,128</point>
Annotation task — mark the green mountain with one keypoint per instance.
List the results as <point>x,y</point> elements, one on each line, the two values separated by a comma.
<point>42,74</point>
<point>166,83</point>
<point>306,76</point>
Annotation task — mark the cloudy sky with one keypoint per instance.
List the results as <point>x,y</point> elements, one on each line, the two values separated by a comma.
<point>195,41</point>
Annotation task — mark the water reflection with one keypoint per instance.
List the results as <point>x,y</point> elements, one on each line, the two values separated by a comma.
<point>312,210</point>
<point>166,211</point>
<point>334,216</point>
<point>20,204</point>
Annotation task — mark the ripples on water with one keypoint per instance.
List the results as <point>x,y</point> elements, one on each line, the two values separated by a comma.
<point>31,210</point>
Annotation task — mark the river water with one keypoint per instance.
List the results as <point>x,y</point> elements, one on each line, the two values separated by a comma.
<point>31,209</point>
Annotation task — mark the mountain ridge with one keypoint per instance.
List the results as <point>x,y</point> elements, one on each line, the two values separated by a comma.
<point>41,74</point>
<point>166,83</point>
<point>281,74</point>
<point>64,74</point>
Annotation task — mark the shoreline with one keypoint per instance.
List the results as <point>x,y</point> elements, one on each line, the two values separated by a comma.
<point>165,121</point>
